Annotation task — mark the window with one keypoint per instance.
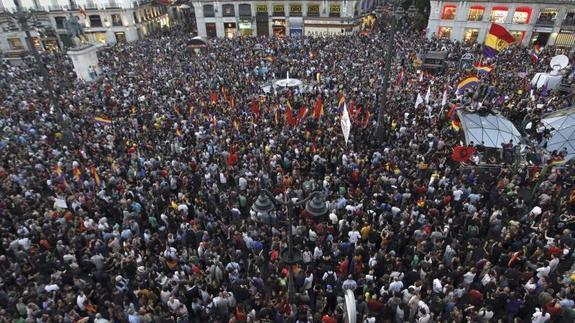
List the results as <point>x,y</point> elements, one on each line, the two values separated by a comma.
<point>445,32</point>
<point>60,22</point>
<point>228,10</point>
<point>470,35</point>
<point>548,16</point>
<point>569,19</point>
<point>499,14</point>
<point>522,15</point>
<point>209,10</point>
<point>116,20</point>
<point>211,30</point>
<point>476,13</point>
<point>95,21</point>
<point>449,12</point>
<point>518,35</point>
<point>313,10</point>
<point>136,20</point>
<point>334,10</point>
<point>245,10</point>
<point>15,43</point>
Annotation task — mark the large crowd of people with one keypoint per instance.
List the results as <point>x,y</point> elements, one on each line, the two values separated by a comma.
<point>147,218</point>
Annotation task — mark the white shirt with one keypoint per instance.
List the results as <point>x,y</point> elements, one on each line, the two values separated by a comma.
<point>353,236</point>
<point>80,299</point>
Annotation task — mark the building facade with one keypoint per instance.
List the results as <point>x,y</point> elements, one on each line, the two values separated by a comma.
<point>281,18</point>
<point>547,23</point>
<point>104,21</point>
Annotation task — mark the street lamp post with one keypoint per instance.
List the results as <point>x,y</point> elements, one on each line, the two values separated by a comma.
<point>315,205</point>
<point>22,17</point>
<point>396,11</point>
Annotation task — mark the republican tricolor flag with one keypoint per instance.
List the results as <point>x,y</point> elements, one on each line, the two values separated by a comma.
<point>497,40</point>
<point>483,68</point>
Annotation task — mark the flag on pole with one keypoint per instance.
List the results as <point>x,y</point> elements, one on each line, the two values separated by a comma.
<point>345,124</point>
<point>483,68</point>
<point>178,132</point>
<point>318,108</point>
<point>340,103</point>
<point>101,120</point>
<point>366,119</point>
<point>76,171</point>
<point>467,82</point>
<point>456,125</point>
<point>418,101</point>
<point>428,95</point>
<point>302,114</point>
<point>497,40</point>
<point>289,116</point>
<point>444,99</point>
<point>95,175</point>
<point>213,97</point>
<point>463,153</point>
<point>255,108</point>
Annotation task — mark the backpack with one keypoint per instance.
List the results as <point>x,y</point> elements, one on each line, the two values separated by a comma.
<point>473,230</point>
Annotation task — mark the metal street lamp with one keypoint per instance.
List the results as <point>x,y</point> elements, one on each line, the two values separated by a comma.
<point>412,10</point>
<point>396,12</point>
<point>314,204</point>
<point>22,17</point>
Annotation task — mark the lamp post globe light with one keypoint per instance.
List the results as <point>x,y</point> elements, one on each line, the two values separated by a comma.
<point>314,205</point>
<point>395,12</point>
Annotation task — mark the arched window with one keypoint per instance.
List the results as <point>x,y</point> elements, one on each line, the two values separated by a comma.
<point>522,15</point>
<point>476,13</point>
<point>245,10</point>
<point>228,10</point>
<point>499,14</point>
<point>209,10</point>
<point>449,12</point>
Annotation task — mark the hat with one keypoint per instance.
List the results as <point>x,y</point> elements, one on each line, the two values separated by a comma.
<point>536,211</point>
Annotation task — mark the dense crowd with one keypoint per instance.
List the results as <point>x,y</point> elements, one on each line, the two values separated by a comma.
<point>149,219</point>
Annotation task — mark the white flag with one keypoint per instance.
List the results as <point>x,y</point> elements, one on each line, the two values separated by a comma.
<point>428,95</point>
<point>345,123</point>
<point>418,101</point>
<point>421,76</point>
<point>444,100</point>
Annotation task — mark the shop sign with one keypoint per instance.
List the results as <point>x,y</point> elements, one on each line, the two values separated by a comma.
<point>313,9</point>
<point>295,8</point>
<point>262,8</point>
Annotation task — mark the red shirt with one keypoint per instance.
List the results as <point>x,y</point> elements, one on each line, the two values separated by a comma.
<point>327,319</point>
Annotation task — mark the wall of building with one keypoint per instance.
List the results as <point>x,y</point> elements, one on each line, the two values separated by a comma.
<point>535,28</point>
<point>120,21</point>
<point>266,18</point>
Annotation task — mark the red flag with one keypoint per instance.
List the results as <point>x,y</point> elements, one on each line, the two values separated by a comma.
<point>302,114</point>
<point>452,112</point>
<point>213,97</point>
<point>463,153</point>
<point>318,108</point>
<point>255,108</point>
<point>366,120</point>
<point>289,116</point>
